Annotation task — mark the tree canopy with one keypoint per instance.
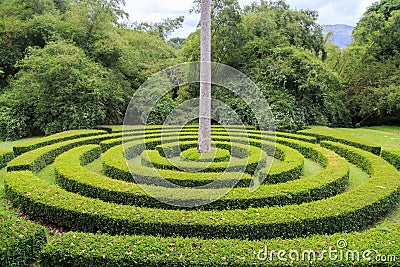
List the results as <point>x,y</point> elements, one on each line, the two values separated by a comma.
<point>58,55</point>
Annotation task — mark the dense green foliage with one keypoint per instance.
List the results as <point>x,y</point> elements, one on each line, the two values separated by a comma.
<point>89,249</point>
<point>70,65</point>
<point>73,64</point>
<point>20,240</point>
<point>281,50</point>
<point>59,88</point>
<point>370,66</point>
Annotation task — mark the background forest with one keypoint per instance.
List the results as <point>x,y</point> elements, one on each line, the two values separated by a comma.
<point>70,64</point>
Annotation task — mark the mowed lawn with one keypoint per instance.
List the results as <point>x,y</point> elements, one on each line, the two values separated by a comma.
<point>384,136</point>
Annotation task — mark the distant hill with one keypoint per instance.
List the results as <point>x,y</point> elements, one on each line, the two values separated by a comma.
<point>341,34</point>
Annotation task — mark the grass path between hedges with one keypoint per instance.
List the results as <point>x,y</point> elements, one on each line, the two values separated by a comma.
<point>386,137</point>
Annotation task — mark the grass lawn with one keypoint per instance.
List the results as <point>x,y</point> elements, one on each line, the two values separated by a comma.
<point>10,144</point>
<point>384,136</point>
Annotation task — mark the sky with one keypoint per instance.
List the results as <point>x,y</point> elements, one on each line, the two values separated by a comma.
<point>330,12</point>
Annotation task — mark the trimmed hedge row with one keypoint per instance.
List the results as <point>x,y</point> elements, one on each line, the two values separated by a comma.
<point>267,136</point>
<point>120,128</point>
<point>326,133</point>
<point>5,157</point>
<point>257,157</point>
<point>20,240</point>
<point>75,178</point>
<point>353,210</point>
<point>392,156</point>
<point>37,159</point>
<point>115,165</point>
<point>52,139</point>
<point>290,169</point>
<point>82,249</point>
<point>169,135</point>
<point>304,138</point>
<point>174,149</point>
<point>216,155</point>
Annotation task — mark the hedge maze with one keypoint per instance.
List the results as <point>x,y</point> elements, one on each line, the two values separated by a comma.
<point>111,220</point>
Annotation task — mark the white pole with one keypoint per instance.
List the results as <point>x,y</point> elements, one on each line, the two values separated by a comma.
<point>204,141</point>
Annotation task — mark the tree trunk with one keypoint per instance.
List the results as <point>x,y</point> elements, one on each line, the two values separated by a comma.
<point>204,145</point>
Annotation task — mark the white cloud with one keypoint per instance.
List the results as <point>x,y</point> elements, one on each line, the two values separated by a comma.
<point>335,12</point>
<point>330,11</point>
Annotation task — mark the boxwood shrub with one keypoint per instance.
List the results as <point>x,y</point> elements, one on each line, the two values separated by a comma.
<point>257,158</point>
<point>5,157</point>
<point>352,210</point>
<point>85,249</point>
<point>20,240</point>
<point>392,156</point>
<point>55,138</point>
<point>291,168</point>
<point>216,155</point>
<point>71,176</point>
<point>37,159</point>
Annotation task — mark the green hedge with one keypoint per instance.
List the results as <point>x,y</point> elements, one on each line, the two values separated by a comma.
<point>257,158</point>
<point>253,133</point>
<point>173,149</point>
<point>290,169</point>
<point>82,249</point>
<point>352,210</point>
<point>37,159</point>
<point>120,128</point>
<point>20,240</point>
<point>115,165</point>
<point>216,155</point>
<point>55,138</point>
<point>326,133</point>
<point>268,136</point>
<point>392,156</point>
<point>5,157</point>
<point>71,176</point>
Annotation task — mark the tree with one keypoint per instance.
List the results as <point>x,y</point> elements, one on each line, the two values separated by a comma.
<point>23,24</point>
<point>370,66</point>
<point>379,30</point>
<point>162,29</point>
<point>136,55</point>
<point>226,34</point>
<point>85,22</point>
<point>59,88</point>
<point>204,142</point>
<point>281,49</point>
<point>299,87</point>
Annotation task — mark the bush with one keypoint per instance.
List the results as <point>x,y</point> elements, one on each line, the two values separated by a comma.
<point>37,159</point>
<point>5,157</point>
<point>71,176</point>
<point>216,155</point>
<point>59,88</point>
<point>392,156</point>
<point>55,138</point>
<point>20,240</point>
<point>53,205</point>
<point>375,106</point>
<point>83,249</point>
